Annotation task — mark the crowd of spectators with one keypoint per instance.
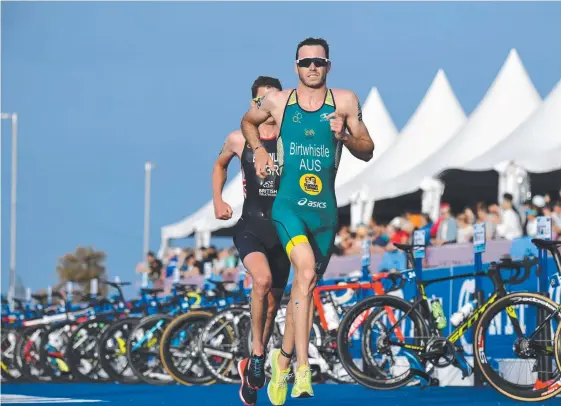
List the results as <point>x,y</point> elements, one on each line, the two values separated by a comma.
<point>192,263</point>
<point>503,221</point>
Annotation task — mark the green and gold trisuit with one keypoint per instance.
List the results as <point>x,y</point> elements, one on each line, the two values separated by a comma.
<point>305,208</point>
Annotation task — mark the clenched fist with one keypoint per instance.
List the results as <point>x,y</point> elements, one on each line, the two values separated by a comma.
<point>222,210</point>
<point>337,123</point>
<point>263,162</point>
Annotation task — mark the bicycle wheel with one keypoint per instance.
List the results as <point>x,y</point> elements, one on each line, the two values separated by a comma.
<point>27,353</point>
<point>179,349</point>
<point>9,369</point>
<point>112,349</point>
<point>384,366</point>
<point>318,363</point>
<point>82,352</point>
<point>143,350</point>
<point>557,348</point>
<point>514,347</point>
<point>220,344</point>
<point>53,351</point>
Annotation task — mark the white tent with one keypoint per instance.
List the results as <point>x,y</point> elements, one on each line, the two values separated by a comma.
<point>232,193</point>
<point>384,134</point>
<point>534,143</point>
<point>381,129</point>
<point>509,101</point>
<point>437,118</point>
<point>549,161</point>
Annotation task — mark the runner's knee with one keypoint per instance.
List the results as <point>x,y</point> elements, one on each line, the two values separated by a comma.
<point>306,278</point>
<point>262,283</point>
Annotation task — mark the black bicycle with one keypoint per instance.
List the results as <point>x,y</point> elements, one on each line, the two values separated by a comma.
<point>521,362</point>
<point>402,342</point>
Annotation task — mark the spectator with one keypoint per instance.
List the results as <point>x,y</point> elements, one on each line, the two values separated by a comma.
<point>175,261</point>
<point>465,230</point>
<point>408,222</point>
<point>360,235</point>
<point>509,198</point>
<point>446,228</point>
<point>226,265</point>
<point>509,227</point>
<point>556,219</point>
<point>153,267</point>
<point>343,241</point>
<point>531,223</point>
<point>380,239</point>
<point>539,201</point>
<point>192,267</point>
<point>425,224</point>
<point>484,217</point>
<point>470,216</point>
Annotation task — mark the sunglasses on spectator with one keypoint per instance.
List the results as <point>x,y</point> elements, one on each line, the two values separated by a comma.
<point>306,62</point>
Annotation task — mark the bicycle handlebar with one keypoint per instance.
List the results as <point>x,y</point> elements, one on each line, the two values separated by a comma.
<point>398,281</point>
<point>115,284</point>
<point>523,267</point>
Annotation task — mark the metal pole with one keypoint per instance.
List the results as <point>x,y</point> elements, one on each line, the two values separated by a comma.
<point>14,118</point>
<point>13,205</point>
<point>147,184</point>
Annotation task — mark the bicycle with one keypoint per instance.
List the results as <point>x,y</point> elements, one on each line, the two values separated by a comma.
<point>423,320</point>
<point>181,349</point>
<point>534,346</point>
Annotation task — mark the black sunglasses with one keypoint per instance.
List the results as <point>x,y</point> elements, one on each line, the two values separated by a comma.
<point>306,62</point>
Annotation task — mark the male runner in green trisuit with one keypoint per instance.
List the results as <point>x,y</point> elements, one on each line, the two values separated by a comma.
<point>313,120</point>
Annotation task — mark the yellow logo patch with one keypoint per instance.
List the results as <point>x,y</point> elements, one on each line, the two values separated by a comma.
<point>311,184</point>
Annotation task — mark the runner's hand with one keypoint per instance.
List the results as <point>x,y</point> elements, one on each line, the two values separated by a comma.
<point>222,210</point>
<point>263,162</point>
<point>337,123</point>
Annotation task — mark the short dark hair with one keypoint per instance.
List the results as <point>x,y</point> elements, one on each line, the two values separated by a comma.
<point>264,81</point>
<point>314,41</point>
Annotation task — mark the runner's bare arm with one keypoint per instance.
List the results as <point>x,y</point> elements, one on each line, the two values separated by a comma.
<point>232,147</point>
<point>257,114</point>
<point>359,143</point>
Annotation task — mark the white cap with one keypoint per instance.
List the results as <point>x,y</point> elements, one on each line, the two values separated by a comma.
<point>539,201</point>
<point>396,222</point>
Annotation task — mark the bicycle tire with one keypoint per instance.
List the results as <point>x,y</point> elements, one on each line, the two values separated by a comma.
<point>9,370</point>
<point>74,355</point>
<point>557,346</point>
<point>105,349</point>
<point>26,362</point>
<point>420,327</point>
<point>64,330</point>
<point>195,316</point>
<point>508,389</point>
<point>234,335</point>
<point>276,342</point>
<point>132,356</point>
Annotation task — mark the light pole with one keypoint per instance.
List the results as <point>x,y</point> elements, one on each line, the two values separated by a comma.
<point>14,118</point>
<point>148,166</point>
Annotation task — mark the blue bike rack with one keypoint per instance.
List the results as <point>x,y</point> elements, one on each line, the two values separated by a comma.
<point>419,253</point>
<point>544,233</point>
<point>479,246</point>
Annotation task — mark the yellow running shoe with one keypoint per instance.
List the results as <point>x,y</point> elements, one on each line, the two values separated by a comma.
<point>303,383</point>
<point>278,385</point>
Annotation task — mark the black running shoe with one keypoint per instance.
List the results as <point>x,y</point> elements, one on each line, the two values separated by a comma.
<point>247,395</point>
<point>256,371</point>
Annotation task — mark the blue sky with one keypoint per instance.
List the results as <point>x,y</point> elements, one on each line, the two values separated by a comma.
<point>102,87</point>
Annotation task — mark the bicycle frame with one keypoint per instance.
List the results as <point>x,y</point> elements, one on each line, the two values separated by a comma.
<point>375,285</point>
<point>421,302</point>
